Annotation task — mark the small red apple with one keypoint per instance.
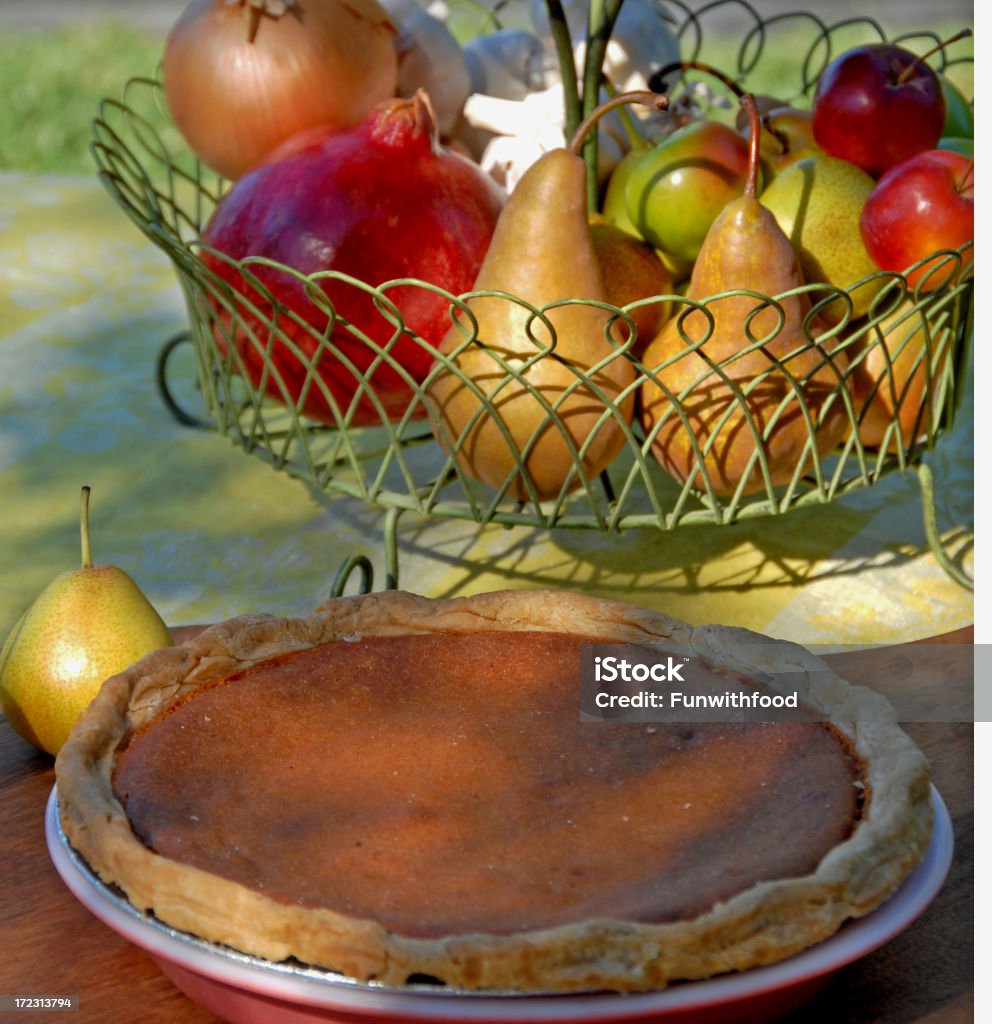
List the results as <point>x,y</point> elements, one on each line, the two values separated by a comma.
<point>919,207</point>
<point>877,104</point>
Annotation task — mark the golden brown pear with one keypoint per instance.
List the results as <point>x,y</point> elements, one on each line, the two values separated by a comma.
<point>518,415</point>
<point>782,397</point>
<point>897,372</point>
<point>632,272</point>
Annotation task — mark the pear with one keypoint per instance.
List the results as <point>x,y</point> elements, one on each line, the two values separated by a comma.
<point>85,626</point>
<point>737,399</point>
<point>787,138</point>
<point>516,414</point>
<point>817,202</point>
<point>614,198</point>
<point>614,212</point>
<point>766,103</point>
<point>675,191</point>
<point>896,372</point>
<point>632,272</point>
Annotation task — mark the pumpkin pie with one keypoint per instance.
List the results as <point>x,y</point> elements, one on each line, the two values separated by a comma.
<point>398,789</point>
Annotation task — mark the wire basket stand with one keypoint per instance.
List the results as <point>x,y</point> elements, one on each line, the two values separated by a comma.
<point>261,365</point>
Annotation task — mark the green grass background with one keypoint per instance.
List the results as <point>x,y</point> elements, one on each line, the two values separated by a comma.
<point>52,82</point>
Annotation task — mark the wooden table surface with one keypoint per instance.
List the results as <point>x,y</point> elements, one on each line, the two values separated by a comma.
<point>52,946</point>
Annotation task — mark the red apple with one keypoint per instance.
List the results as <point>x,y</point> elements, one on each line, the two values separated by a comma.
<point>919,207</point>
<point>877,104</point>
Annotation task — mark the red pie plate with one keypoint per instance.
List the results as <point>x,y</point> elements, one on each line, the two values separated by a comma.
<point>247,990</point>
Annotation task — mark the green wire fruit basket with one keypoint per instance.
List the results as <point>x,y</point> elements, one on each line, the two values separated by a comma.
<point>259,362</point>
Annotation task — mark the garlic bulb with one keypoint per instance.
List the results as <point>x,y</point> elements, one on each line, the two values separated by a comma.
<point>515,111</point>
<point>508,63</point>
<point>524,129</point>
<point>429,58</point>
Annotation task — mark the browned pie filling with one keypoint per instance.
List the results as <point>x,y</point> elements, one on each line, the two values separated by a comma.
<point>444,784</point>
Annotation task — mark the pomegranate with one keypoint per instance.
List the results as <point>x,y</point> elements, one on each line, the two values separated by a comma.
<point>380,201</point>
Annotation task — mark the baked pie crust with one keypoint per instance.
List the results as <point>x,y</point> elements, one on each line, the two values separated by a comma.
<point>764,922</point>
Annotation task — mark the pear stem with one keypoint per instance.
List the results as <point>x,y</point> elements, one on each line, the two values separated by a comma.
<point>658,80</point>
<point>910,68</point>
<point>84,527</point>
<point>649,99</point>
<point>750,106</point>
<point>659,84</point>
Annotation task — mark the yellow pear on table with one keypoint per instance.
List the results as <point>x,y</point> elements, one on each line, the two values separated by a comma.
<point>85,626</point>
<point>746,416</point>
<point>512,410</point>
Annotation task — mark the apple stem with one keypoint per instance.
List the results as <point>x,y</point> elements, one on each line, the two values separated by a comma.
<point>84,527</point>
<point>910,68</point>
<point>645,96</point>
<point>750,105</point>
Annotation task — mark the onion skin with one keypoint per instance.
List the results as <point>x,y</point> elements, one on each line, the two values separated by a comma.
<point>234,100</point>
<point>380,201</point>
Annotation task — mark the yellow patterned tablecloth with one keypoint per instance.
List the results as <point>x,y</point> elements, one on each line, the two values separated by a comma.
<point>86,302</point>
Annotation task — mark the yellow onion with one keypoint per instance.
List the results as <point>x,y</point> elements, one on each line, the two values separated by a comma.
<point>242,76</point>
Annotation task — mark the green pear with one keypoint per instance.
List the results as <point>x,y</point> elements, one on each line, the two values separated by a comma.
<point>614,211</point>
<point>519,416</point>
<point>85,626</point>
<point>614,206</point>
<point>676,190</point>
<point>817,202</point>
<point>757,393</point>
